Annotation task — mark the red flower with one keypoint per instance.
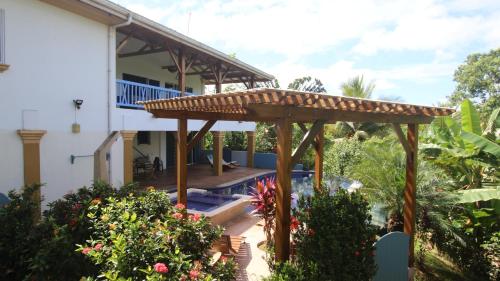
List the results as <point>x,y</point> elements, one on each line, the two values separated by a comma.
<point>195,217</point>
<point>72,222</point>
<point>311,232</point>
<point>357,253</point>
<point>161,268</point>
<point>177,216</point>
<point>76,207</point>
<point>86,250</point>
<point>294,223</point>
<point>223,259</point>
<point>180,206</point>
<point>193,274</point>
<point>98,247</point>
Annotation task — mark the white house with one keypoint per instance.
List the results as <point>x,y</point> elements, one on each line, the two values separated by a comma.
<point>71,72</point>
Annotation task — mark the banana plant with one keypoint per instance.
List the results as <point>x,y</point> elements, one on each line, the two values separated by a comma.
<point>461,147</point>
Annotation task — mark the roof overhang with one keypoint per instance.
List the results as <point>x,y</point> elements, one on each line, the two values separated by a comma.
<point>269,105</point>
<point>160,36</point>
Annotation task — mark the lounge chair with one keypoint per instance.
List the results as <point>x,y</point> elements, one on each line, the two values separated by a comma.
<point>231,165</point>
<point>228,245</point>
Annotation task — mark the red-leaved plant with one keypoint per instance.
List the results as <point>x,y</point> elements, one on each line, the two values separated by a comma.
<point>264,201</point>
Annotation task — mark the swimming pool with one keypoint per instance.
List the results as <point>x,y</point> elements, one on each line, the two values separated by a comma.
<point>219,208</point>
<point>302,184</point>
<point>206,202</point>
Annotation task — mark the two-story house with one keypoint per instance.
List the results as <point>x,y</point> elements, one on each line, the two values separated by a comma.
<point>71,72</point>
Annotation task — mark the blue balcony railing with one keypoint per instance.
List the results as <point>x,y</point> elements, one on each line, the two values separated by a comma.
<point>129,93</point>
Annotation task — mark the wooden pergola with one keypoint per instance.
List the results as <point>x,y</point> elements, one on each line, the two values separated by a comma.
<point>285,107</point>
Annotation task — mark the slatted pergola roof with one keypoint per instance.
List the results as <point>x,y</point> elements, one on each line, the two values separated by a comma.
<point>270,104</point>
<point>284,107</point>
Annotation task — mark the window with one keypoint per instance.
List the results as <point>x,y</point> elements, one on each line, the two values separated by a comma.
<point>176,87</point>
<point>140,79</point>
<point>143,137</point>
<point>2,36</point>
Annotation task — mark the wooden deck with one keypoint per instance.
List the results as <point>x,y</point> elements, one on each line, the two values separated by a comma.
<point>200,176</point>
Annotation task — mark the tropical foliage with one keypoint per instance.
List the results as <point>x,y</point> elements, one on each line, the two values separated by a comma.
<point>478,79</point>
<point>468,153</point>
<point>117,228</point>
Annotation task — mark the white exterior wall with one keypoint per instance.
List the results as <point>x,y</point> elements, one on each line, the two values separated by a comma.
<point>55,56</point>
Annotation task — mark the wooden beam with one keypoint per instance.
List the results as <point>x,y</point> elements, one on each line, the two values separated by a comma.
<point>122,43</point>
<point>218,141</point>
<point>411,189</point>
<point>181,61</point>
<point>319,143</point>
<point>401,137</point>
<point>173,57</point>
<point>307,141</point>
<point>283,190</point>
<point>200,134</point>
<point>100,166</point>
<point>181,166</point>
<point>143,52</point>
<point>191,61</point>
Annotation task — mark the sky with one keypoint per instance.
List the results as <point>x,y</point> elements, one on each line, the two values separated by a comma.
<point>408,49</point>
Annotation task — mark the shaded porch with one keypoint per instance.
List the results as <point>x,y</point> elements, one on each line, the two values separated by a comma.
<point>201,176</point>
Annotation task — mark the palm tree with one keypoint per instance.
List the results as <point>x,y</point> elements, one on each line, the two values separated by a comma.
<point>384,186</point>
<point>356,88</point>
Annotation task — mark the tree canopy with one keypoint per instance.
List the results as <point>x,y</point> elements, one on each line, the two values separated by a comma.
<point>478,79</point>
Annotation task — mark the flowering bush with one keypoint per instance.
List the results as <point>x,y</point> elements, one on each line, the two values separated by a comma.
<point>146,238</point>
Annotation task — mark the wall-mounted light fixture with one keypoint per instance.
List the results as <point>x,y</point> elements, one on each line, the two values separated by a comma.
<point>78,103</point>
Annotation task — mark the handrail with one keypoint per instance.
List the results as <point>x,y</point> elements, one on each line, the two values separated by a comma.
<point>129,93</point>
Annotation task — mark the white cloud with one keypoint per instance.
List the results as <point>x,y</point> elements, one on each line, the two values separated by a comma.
<point>296,27</point>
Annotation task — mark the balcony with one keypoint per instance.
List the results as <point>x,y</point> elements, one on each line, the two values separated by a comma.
<point>129,93</point>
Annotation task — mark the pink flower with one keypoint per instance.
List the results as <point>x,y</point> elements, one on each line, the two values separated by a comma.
<point>195,217</point>
<point>177,216</point>
<point>193,274</point>
<point>180,206</point>
<point>223,259</point>
<point>98,247</point>
<point>161,268</point>
<point>86,250</point>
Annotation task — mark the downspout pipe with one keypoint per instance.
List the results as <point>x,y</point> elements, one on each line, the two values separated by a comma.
<point>112,63</point>
<point>111,71</point>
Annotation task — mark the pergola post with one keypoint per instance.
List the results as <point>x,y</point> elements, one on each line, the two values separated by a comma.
<point>284,189</point>
<point>410,188</point>
<point>182,161</point>
<point>318,158</point>
<point>218,140</point>
<point>250,148</point>
<point>128,155</point>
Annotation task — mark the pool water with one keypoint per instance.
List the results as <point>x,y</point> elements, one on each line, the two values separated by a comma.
<point>206,202</point>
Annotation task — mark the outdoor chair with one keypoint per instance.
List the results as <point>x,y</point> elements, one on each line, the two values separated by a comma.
<point>228,245</point>
<point>230,165</point>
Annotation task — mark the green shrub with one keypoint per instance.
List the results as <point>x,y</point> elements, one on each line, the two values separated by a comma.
<point>145,238</point>
<point>17,243</point>
<point>341,156</point>
<point>333,236</point>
